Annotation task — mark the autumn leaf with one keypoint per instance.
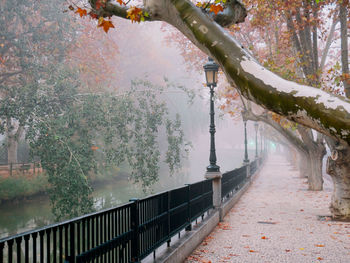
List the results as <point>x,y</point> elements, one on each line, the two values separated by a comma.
<point>100,3</point>
<point>121,2</point>
<point>81,12</point>
<point>134,13</point>
<point>263,237</point>
<point>71,8</point>
<point>106,24</point>
<point>252,251</point>
<point>216,9</point>
<point>94,148</point>
<point>93,15</point>
<point>319,245</point>
<point>319,258</point>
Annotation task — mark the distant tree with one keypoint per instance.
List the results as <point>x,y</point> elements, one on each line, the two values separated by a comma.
<point>73,132</point>
<point>33,36</point>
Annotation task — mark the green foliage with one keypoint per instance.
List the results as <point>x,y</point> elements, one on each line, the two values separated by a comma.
<point>18,186</point>
<point>73,134</point>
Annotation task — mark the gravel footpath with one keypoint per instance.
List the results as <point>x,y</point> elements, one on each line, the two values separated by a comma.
<point>277,220</point>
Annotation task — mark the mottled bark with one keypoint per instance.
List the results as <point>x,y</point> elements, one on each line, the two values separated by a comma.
<point>304,164</point>
<point>316,151</point>
<point>338,167</point>
<point>315,180</point>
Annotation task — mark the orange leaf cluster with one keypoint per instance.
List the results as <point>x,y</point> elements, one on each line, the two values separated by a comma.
<point>121,2</point>
<point>100,3</point>
<point>81,12</point>
<point>106,24</point>
<point>134,13</point>
<point>216,8</point>
<point>94,148</point>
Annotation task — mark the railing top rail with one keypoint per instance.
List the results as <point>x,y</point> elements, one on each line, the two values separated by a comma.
<point>76,219</point>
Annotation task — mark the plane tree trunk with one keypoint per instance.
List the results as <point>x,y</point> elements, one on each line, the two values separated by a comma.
<point>338,167</point>
<point>317,151</point>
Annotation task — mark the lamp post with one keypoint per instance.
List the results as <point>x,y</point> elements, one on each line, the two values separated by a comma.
<point>256,126</point>
<point>246,160</point>
<point>261,140</point>
<point>211,75</point>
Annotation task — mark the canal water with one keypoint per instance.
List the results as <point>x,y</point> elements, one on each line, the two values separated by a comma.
<point>24,215</point>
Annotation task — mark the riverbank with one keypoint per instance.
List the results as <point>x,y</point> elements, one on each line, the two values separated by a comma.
<point>23,186</point>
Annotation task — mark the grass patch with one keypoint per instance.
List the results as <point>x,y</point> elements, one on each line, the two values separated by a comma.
<point>20,186</point>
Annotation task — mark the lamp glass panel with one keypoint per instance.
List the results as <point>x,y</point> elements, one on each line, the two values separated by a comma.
<point>210,77</point>
<point>215,77</point>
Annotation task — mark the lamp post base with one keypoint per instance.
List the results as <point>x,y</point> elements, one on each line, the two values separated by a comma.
<point>245,162</point>
<point>213,168</point>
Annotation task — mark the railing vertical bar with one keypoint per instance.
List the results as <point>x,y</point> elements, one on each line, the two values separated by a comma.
<point>60,243</point>
<point>78,238</point>
<point>18,245</point>
<point>72,242</point>
<point>93,232</point>
<point>66,241</point>
<point>26,249</point>
<point>48,252</point>
<point>41,243</point>
<point>9,246</point>
<point>97,231</point>
<point>88,233</point>
<point>34,236</point>
<point>2,245</point>
<point>105,234</point>
<point>54,244</point>
<point>110,227</point>
<point>83,235</point>
<point>113,235</point>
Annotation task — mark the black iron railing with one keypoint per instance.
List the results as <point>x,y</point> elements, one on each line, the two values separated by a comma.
<point>231,181</point>
<point>253,166</point>
<point>127,233</point>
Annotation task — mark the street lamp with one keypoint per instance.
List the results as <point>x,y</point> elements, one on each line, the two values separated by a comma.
<point>261,140</point>
<point>211,75</point>
<point>256,126</point>
<point>246,160</point>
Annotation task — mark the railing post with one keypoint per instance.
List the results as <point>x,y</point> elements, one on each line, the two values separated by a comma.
<point>248,171</point>
<point>168,218</point>
<point>216,179</point>
<point>189,227</point>
<point>135,246</point>
<point>71,257</point>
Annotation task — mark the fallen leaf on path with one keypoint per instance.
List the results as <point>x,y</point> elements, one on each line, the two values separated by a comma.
<point>252,251</point>
<point>287,250</point>
<point>319,245</point>
<point>301,248</point>
<point>263,237</point>
<point>319,258</point>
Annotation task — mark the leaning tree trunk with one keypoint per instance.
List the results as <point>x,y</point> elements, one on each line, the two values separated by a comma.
<point>315,180</point>
<point>338,167</point>
<point>12,146</point>
<point>304,165</point>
